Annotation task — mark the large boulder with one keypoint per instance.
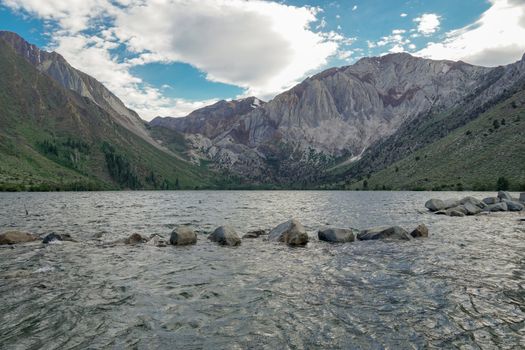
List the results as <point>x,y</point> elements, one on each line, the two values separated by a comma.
<point>338,235</point>
<point>291,232</point>
<point>491,200</point>
<point>183,236</point>
<point>455,212</point>
<point>54,237</point>
<point>451,203</point>
<point>254,234</point>
<point>504,196</point>
<point>435,204</point>
<point>522,197</point>
<point>384,232</point>
<point>472,209</point>
<point>502,206</point>
<point>225,235</point>
<point>473,201</point>
<point>460,208</point>
<point>514,206</point>
<point>420,231</point>
<point>14,237</point>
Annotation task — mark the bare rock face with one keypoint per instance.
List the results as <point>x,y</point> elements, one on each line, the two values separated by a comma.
<point>291,232</point>
<point>15,237</point>
<point>420,231</point>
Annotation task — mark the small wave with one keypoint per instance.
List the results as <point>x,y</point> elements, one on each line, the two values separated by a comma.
<point>45,269</point>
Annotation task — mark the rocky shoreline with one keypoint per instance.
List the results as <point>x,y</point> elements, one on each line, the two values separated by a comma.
<point>291,232</point>
<point>473,206</point>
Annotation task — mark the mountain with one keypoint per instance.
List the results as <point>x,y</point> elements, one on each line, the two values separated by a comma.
<point>348,122</point>
<point>53,137</point>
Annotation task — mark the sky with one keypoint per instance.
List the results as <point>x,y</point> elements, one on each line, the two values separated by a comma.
<point>169,57</point>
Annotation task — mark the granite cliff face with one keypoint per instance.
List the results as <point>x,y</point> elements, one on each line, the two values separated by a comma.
<point>339,116</point>
<point>56,67</point>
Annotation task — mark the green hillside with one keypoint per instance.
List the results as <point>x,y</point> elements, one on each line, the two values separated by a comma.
<point>471,157</point>
<point>53,139</point>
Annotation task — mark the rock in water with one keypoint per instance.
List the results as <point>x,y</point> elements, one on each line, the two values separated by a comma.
<point>338,235</point>
<point>503,195</point>
<point>522,197</point>
<point>254,234</point>
<point>384,232</point>
<point>435,204</point>
<point>225,235</point>
<point>420,231</point>
<point>473,201</point>
<point>502,206</point>
<point>491,200</point>
<point>157,241</point>
<point>57,237</point>
<point>514,206</point>
<point>183,236</point>
<point>471,209</point>
<point>451,203</point>
<point>291,232</point>
<point>134,239</point>
<point>14,237</point>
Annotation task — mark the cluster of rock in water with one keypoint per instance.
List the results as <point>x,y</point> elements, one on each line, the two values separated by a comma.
<point>291,232</point>
<point>472,206</point>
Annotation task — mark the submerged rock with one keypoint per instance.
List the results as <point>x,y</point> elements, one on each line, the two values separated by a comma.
<point>15,237</point>
<point>157,240</point>
<point>291,232</point>
<point>420,231</point>
<point>502,206</point>
<point>225,235</point>
<point>338,235</point>
<point>384,232</point>
<point>183,236</point>
<point>514,206</point>
<point>504,196</point>
<point>57,237</point>
<point>134,239</point>
<point>254,234</point>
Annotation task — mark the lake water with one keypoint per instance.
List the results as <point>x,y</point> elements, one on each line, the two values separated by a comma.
<point>462,287</point>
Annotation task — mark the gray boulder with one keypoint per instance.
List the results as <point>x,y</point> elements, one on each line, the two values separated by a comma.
<point>338,235</point>
<point>459,208</point>
<point>183,236</point>
<point>504,196</point>
<point>254,234</point>
<point>471,209</point>
<point>522,197</point>
<point>455,212</point>
<point>420,231</point>
<point>514,206</point>
<point>291,232</point>
<point>473,201</point>
<point>15,237</point>
<point>451,203</point>
<point>502,206</point>
<point>225,235</point>
<point>491,200</point>
<point>157,241</point>
<point>384,232</point>
<point>435,204</point>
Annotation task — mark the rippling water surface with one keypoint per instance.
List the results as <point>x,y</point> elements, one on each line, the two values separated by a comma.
<point>463,287</point>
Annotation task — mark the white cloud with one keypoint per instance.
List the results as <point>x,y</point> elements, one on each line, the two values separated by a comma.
<point>403,15</point>
<point>497,38</point>
<point>428,23</point>
<point>261,46</point>
<point>354,8</point>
